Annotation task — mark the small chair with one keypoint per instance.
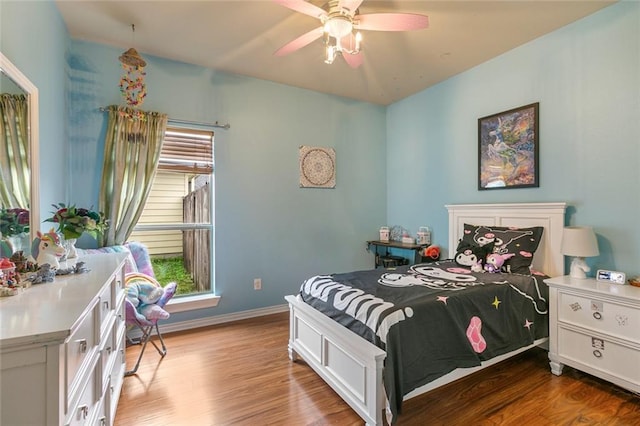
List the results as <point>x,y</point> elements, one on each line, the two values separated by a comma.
<point>147,324</point>
<point>138,265</point>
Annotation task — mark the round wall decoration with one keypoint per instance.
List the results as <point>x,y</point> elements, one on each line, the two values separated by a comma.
<point>317,167</point>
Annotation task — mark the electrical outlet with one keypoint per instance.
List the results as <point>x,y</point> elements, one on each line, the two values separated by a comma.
<point>257,284</point>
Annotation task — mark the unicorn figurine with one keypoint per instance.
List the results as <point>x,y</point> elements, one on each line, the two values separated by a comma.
<point>47,248</point>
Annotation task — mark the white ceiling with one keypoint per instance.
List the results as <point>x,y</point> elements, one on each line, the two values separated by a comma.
<point>240,37</point>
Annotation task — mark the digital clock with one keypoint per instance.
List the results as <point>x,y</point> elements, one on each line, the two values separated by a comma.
<point>610,276</point>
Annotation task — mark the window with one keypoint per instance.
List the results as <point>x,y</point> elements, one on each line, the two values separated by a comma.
<point>178,219</point>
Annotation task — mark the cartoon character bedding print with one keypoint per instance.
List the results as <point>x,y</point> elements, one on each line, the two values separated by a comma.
<point>433,318</point>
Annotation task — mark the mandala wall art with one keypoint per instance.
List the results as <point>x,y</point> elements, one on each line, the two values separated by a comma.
<point>317,167</point>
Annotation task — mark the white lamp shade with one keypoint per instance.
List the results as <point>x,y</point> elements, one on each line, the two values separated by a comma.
<point>579,241</point>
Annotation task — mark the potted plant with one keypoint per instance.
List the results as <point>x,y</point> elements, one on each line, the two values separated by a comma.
<point>74,221</point>
<point>14,227</point>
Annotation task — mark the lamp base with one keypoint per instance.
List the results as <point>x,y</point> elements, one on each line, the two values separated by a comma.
<point>579,268</point>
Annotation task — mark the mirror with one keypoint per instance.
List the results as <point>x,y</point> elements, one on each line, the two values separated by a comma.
<point>19,167</point>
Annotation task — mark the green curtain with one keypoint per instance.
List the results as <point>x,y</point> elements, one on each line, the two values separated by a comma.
<point>131,153</point>
<point>14,151</point>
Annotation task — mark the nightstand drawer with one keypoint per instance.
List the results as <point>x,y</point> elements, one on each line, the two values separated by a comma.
<point>606,317</point>
<point>600,354</point>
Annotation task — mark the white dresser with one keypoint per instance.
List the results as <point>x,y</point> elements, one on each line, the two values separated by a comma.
<point>595,327</point>
<point>62,348</point>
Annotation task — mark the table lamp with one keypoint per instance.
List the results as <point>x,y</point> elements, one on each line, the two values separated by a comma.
<point>579,242</point>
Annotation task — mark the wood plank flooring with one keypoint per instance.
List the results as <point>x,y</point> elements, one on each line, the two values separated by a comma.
<point>240,374</point>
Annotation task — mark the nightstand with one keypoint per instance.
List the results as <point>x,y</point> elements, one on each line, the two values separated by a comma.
<point>595,327</point>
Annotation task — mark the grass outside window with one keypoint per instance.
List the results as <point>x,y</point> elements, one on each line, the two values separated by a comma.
<point>172,269</point>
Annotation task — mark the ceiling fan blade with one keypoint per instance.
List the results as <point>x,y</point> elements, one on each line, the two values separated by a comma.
<point>300,42</point>
<point>349,43</point>
<point>302,7</point>
<point>352,5</point>
<point>354,61</point>
<point>391,21</point>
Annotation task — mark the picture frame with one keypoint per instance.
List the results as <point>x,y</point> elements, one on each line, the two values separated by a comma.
<point>508,149</point>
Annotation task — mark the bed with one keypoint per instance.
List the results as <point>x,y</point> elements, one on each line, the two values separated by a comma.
<point>355,367</point>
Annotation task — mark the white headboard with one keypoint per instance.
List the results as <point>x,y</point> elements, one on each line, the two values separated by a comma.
<point>547,258</point>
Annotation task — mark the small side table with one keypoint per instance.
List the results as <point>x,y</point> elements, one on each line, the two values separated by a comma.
<point>380,258</point>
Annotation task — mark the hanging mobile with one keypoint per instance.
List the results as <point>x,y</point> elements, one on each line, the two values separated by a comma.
<point>132,86</point>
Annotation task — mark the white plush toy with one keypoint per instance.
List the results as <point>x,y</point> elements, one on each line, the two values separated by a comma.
<point>144,292</point>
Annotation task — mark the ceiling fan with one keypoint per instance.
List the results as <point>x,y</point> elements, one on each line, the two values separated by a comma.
<point>339,19</point>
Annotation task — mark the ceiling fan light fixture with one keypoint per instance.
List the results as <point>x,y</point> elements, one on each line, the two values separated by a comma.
<point>338,26</point>
<point>358,41</point>
<point>340,21</point>
<point>330,53</point>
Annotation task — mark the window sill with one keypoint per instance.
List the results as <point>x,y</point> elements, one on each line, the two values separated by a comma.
<point>190,303</point>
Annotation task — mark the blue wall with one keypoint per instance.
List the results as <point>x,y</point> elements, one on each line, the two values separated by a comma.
<point>34,38</point>
<point>266,226</point>
<point>586,77</point>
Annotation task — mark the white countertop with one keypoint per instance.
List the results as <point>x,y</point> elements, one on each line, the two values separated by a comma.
<point>47,312</point>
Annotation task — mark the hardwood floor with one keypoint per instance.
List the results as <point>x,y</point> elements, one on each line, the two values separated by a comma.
<point>240,374</point>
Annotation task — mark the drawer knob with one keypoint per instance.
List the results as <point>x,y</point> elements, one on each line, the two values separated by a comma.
<point>82,344</point>
<point>597,315</point>
<point>106,304</point>
<point>103,421</point>
<point>597,354</point>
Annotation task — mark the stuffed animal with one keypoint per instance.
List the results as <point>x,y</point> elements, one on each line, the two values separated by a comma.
<point>495,261</point>
<point>144,292</point>
<point>432,252</point>
<point>469,254</point>
<point>477,267</point>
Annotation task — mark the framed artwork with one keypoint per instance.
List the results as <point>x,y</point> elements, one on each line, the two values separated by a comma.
<point>508,146</point>
<point>317,167</point>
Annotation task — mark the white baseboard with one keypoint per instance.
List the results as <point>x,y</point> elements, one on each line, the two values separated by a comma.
<point>217,319</point>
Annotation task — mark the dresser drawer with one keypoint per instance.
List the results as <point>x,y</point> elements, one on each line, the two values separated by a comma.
<point>78,347</point>
<point>106,302</point>
<point>87,404</point>
<point>108,351</point>
<point>102,412</point>
<point>118,284</point>
<point>600,354</point>
<point>117,377</point>
<point>607,317</point>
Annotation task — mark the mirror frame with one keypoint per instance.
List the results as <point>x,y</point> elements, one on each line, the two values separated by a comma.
<point>34,154</point>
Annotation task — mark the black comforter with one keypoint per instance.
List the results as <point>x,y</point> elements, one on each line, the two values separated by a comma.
<point>433,318</point>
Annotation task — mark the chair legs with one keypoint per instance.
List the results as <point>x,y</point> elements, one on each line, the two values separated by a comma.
<point>143,340</point>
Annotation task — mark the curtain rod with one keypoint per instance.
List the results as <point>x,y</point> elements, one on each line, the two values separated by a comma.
<point>187,122</point>
<point>201,123</point>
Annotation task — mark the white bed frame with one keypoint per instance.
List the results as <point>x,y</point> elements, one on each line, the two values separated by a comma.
<point>353,366</point>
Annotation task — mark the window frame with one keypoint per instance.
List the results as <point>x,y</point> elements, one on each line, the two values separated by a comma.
<point>197,300</point>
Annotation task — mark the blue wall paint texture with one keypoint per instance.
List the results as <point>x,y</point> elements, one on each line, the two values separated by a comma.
<point>398,165</point>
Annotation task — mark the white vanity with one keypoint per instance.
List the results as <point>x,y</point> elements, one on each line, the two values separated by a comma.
<point>62,348</point>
